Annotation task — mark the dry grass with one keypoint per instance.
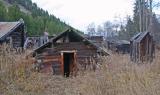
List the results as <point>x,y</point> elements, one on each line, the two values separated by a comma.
<point>121,77</point>
<point>117,76</point>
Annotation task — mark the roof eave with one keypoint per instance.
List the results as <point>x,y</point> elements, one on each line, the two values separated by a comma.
<point>9,32</point>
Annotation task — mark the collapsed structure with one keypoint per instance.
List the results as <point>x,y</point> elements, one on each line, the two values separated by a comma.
<point>65,52</point>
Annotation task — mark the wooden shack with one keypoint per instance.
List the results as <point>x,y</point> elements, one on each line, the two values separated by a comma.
<point>98,40</point>
<point>95,38</point>
<point>66,52</point>
<point>142,47</point>
<point>12,33</point>
<point>119,46</point>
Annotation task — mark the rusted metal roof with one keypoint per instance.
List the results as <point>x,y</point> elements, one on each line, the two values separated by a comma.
<point>7,27</point>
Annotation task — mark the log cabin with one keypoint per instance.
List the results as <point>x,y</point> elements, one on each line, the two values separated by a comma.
<point>67,51</point>
<point>12,33</point>
<point>118,46</point>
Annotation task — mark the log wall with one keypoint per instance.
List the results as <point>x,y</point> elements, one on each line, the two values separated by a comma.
<point>17,37</point>
<point>85,54</point>
<point>142,51</point>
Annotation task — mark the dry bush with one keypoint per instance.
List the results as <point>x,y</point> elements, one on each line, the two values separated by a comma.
<point>15,72</point>
<point>119,76</point>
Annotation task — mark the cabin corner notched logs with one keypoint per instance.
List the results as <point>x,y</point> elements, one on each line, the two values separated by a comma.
<point>68,50</point>
<point>142,47</point>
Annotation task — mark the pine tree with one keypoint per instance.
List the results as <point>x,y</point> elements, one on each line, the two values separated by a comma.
<point>141,17</point>
<point>130,28</point>
<point>3,12</point>
<point>36,21</point>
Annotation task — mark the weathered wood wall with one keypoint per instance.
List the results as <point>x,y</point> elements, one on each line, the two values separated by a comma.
<point>84,54</point>
<point>17,37</point>
<point>142,51</point>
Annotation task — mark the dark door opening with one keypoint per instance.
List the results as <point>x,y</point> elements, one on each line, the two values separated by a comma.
<point>68,61</point>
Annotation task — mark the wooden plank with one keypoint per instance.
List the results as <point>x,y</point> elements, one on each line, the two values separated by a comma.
<point>62,63</point>
<point>50,60</point>
<point>47,57</point>
<point>51,57</point>
<point>77,46</point>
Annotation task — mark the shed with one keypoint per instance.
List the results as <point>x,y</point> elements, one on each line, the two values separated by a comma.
<point>66,52</point>
<point>95,38</point>
<point>98,40</point>
<point>142,47</point>
<point>12,33</point>
<point>123,46</point>
<point>119,46</point>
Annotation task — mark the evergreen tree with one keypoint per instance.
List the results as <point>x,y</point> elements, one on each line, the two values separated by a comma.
<point>122,32</point>
<point>130,28</point>
<point>36,21</point>
<point>141,17</point>
<point>14,13</point>
<point>3,12</point>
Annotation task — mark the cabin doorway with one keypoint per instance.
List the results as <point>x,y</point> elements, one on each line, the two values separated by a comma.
<point>68,61</point>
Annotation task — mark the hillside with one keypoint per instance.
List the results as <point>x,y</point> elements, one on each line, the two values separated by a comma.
<point>36,19</point>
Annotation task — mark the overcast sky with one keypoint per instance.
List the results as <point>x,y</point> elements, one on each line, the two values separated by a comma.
<point>80,13</point>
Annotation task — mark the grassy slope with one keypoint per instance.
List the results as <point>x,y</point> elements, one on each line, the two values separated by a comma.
<point>117,76</point>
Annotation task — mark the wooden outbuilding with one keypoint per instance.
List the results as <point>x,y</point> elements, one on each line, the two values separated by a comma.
<point>12,33</point>
<point>142,47</point>
<point>98,40</point>
<point>66,52</point>
<point>119,46</point>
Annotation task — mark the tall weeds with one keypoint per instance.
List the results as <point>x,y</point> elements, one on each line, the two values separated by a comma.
<point>119,76</point>
<point>115,76</point>
<point>14,67</point>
